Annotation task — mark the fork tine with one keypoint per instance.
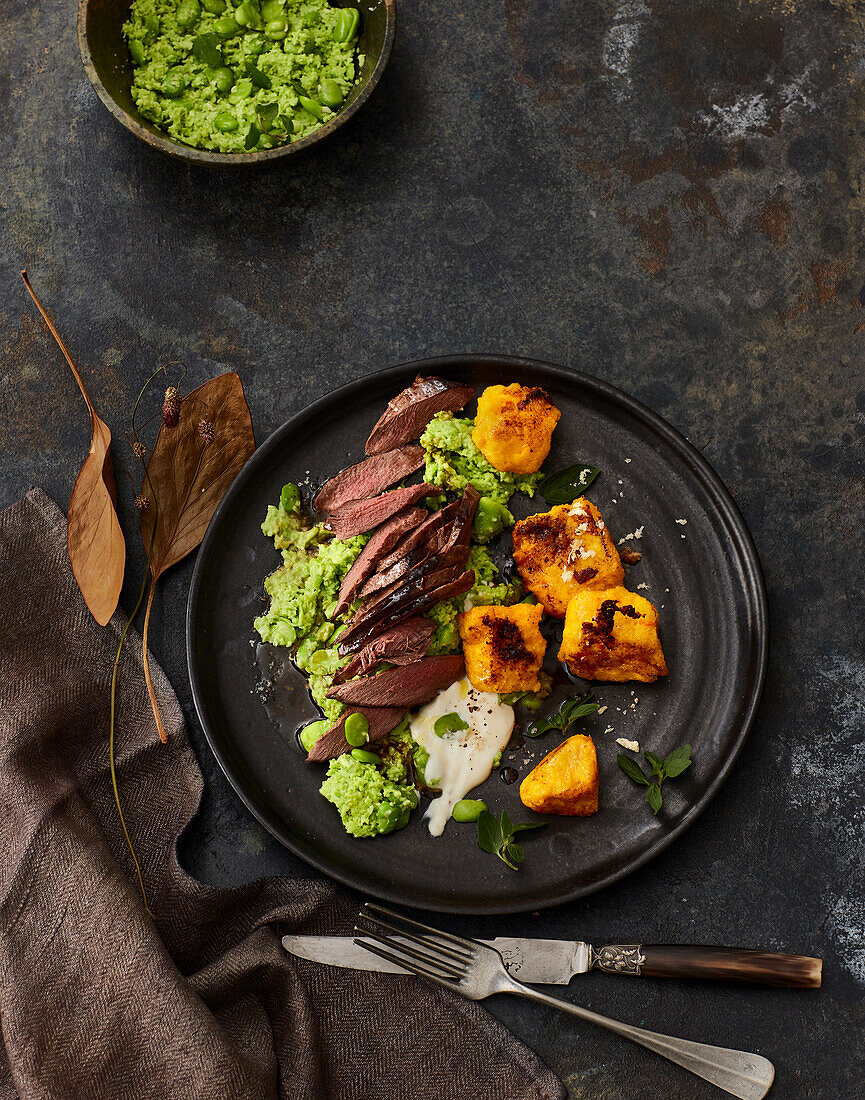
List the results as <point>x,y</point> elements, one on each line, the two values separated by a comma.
<point>438,949</point>
<point>406,964</point>
<point>441,965</point>
<point>468,946</point>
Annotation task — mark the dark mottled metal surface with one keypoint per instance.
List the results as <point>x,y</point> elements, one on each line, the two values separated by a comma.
<point>666,194</point>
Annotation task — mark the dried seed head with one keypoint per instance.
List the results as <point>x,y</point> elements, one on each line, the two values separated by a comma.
<point>206,430</point>
<point>138,449</point>
<point>171,407</point>
<point>142,503</point>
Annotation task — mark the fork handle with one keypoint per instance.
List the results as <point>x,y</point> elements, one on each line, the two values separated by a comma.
<point>748,1076</point>
<point>738,964</point>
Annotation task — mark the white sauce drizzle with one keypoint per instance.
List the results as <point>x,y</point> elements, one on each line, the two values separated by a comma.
<point>460,761</point>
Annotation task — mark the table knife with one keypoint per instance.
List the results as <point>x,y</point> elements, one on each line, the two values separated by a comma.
<point>555,962</point>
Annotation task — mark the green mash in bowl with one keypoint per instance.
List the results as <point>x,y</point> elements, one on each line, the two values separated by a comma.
<point>234,77</point>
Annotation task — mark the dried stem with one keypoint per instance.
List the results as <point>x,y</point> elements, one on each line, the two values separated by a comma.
<point>163,736</point>
<point>111,743</point>
<point>61,345</point>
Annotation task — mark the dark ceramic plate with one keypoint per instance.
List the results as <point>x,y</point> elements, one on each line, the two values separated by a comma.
<point>703,575</point>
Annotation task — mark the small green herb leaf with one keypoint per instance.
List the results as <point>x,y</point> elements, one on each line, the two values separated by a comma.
<point>286,124</point>
<point>577,708</point>
<point>677,761</point>
<point>497,838</point>
<point>206,47</point>
<point>253,137</point>
<point>674,764</point>
<point>257,77</point>
<point>267,115</point>
<point>566,485</point>
<point>541,726</point>
<point>632,769</point>
<point>569,712</point>
<point>449,723</point>
<point>656,764</point>
<point>489,833</point>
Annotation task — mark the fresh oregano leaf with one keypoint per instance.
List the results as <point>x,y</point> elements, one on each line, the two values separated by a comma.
<point>260,79</point>
<point>267,115</point>
<point>489,833</point>
<point>676,762</point>
<point>497,838</point>
<point>656,764</point>
<point>632,769</point>
<point>206,47</point>
<point>566,485</point>
<point>536,729</point>
<point>253,137</point>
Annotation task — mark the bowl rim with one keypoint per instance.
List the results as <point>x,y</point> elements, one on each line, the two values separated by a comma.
<point>256,158</point>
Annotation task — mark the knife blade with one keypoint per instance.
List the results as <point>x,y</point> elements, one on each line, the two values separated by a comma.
<point>543,962</point>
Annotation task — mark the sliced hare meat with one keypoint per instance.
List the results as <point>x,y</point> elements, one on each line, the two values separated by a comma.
<point>410,411</point>
<point>368,478</point>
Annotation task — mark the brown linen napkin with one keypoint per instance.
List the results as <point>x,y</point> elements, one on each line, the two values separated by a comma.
<point>97,1001</point>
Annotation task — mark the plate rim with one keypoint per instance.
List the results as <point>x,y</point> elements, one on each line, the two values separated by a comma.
<point>752,572</point>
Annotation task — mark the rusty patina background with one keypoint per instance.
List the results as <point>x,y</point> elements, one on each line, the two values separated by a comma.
<point>667,194</point>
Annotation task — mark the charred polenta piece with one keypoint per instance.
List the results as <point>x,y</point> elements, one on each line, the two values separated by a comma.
<point>564,551</point>
<point>566,781</point>
<point>514,427</point>
<point>612,635</point>
<point>503,647</point>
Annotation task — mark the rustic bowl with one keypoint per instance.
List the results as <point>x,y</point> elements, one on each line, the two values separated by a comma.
<point>109,67</point>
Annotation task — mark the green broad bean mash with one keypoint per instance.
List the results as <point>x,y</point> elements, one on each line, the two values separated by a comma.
<point>302,591</point>
<point>233,77</point>
<point>453,462</point>
<point>371,801</point>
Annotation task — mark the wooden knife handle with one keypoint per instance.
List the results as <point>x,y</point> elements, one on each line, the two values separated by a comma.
<point>735,964</point>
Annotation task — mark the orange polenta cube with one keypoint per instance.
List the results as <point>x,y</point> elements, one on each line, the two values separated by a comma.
<point>566,781</point>
<point>514,427</point>
<point>503,647</point>
<point>612,635</point>
<point>561,552</point>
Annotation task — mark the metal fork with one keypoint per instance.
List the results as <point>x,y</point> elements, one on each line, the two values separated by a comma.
<point>477,971</point>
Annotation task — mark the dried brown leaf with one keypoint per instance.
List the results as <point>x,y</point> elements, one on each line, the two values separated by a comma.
<point>187,475</point>
<point>97,550</point>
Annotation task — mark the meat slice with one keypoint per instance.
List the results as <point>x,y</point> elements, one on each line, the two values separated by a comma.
<point>363,515</point>
<point>332,742</point>
<point>410,411</point>
<point>364,565</point>
<point>400,645</point>
<point>416,598</point>
<point>449,542</point>
<point>403,687</point>
<point>419,534</point>
<point>369,477</point>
